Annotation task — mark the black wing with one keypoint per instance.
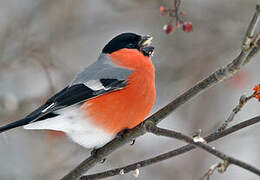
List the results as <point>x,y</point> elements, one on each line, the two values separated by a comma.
<point>69,96</point>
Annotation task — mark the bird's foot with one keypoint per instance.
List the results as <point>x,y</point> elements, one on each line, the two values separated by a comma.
<point>121,134</point>
<point>103,160</point>
<point>133,142</point>
<point>94,154</point>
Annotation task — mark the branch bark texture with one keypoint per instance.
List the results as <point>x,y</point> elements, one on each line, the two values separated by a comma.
<point>210,138</point>
<point>177,135</point>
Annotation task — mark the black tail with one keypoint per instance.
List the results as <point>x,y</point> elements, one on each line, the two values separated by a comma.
<point>31,117</point>
<point>15,124</point>
<point>36,115</point>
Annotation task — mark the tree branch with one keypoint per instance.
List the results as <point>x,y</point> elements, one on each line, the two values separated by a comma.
<point>177,135</point>
<point>210,138</point>
<point>242,101</point>
<point>248,50</point>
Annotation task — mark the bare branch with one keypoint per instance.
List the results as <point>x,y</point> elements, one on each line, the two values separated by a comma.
<point>177,135</point>
<point>242,101</point>
<point>221,74</point>
<point>251,29</point>
<point>210,138</point>
<point>221,167</point>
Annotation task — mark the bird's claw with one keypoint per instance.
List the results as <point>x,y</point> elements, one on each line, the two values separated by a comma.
<point>121,134</point>
<point>133,142</point>
<point>94,154</point>
<point>103,160</point>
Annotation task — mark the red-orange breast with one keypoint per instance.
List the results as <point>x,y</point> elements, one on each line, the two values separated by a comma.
<point>127,107</point>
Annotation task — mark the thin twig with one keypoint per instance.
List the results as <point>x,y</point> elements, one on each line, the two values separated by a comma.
<point>242,101</point>
<point>177,135</point>
<point>221,167</point>
<point>221,74</point>
<point>251,29</point>
<point>210,138</point>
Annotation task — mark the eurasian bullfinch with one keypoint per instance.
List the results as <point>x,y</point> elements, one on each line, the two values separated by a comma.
<point>114,93</point>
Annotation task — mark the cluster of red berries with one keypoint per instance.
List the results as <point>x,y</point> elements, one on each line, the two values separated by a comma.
<point>175,16</point>
<point>257,92</point>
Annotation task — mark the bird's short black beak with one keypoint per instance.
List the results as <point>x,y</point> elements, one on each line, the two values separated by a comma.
<point>148,51</point>
<point>145,47</point>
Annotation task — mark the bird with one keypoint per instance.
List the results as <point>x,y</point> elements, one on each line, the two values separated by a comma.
<point>115,93</point>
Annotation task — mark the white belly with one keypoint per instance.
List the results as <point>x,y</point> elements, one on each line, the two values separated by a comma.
<point>75,124</point>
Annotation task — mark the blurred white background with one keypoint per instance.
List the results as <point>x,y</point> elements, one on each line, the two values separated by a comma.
<point>43,43</point>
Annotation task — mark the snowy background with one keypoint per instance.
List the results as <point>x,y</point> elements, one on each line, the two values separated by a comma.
<point>43,43</point>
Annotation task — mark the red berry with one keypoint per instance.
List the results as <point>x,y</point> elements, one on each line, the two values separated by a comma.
<point>168,28</point>
<point>162,10</point>
<point>187,27</point>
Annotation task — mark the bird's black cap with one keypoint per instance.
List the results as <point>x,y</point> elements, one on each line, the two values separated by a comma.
<point>127,40</point>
